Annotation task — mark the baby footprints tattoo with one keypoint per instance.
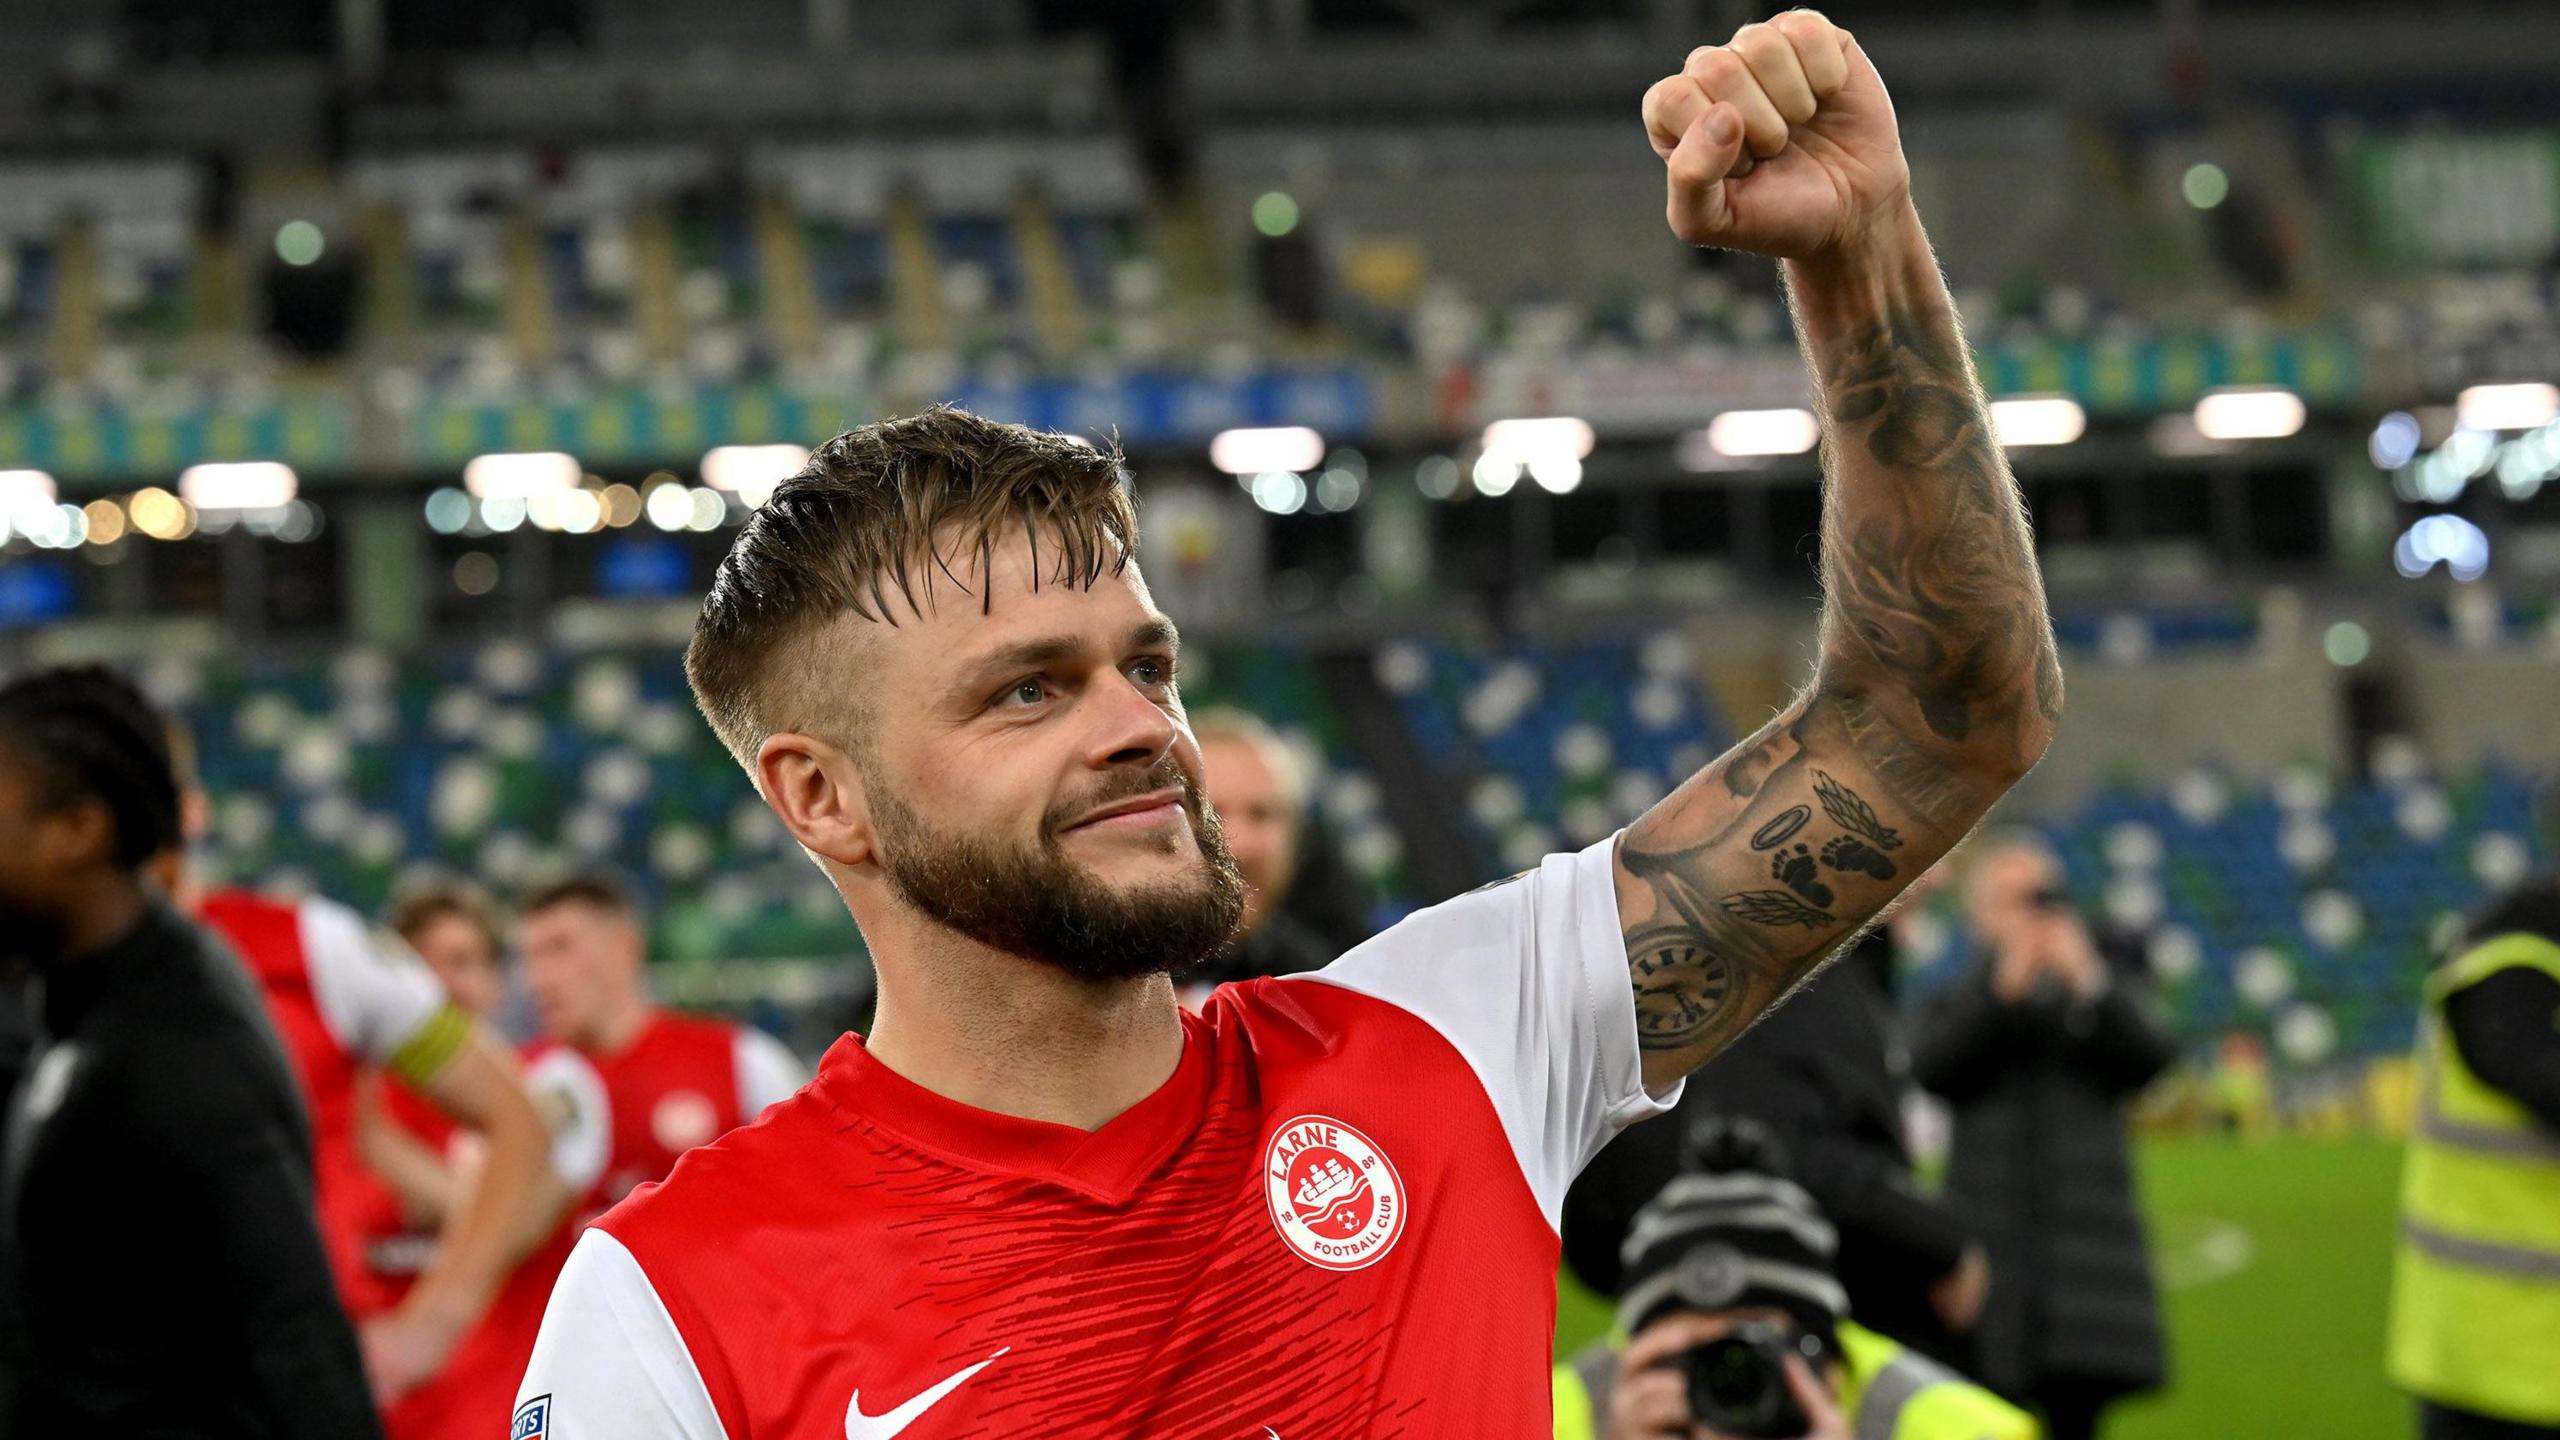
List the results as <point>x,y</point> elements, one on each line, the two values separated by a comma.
<point>1848,852</point>
<point>1794,867</point>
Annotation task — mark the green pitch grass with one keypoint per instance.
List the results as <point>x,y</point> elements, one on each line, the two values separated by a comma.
<point>2277,1261</point>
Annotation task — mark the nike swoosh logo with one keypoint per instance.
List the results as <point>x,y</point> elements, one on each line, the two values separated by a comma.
<point>858,1426</point>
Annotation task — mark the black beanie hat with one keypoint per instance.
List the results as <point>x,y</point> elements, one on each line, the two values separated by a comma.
<point>1733,1233</point>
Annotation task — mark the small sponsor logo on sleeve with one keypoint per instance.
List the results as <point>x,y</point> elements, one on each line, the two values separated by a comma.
<point>533,1420</point>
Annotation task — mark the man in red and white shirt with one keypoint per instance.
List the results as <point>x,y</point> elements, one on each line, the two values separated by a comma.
<point>1038,1198</point>
<point>672,1081</point>
<point>423,1162</point>
<point>345,998</point>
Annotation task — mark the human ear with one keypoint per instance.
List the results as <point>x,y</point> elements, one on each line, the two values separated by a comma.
<point>817,791</point>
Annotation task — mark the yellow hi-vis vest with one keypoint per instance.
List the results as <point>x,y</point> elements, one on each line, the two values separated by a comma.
<point>2475,1304</point>
<point>1887,1392</point>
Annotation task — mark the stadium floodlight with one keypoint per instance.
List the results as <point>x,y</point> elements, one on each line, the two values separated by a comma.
<point>1745,433</point>
<point>521,476</point>
<point>2258,412</point>
<point>239,485</point>
<point>751,471</point>
<point>1285,448</point>
<point>2527,406</point>
<point>2037,420</point>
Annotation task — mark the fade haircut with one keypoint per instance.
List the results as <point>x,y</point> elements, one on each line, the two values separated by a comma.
<point>869,523</point>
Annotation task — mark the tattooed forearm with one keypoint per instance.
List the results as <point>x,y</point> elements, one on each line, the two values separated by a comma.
<point>1937,686</point>
<point>1935,618</point>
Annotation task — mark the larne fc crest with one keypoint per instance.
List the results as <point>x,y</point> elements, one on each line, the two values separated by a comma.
<point>1334,1196</point>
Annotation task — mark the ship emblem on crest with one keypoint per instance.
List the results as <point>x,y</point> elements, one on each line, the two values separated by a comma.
<point>1334,1196</point>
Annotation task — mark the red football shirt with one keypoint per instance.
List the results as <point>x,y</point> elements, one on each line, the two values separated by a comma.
<point>1337,1218</point>
<point>469,1398</point>
<point>342,997</point>
<point>683,1081</point>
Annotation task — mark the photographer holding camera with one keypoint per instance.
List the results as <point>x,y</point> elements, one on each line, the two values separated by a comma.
<point>2038,1048</point>
<point>1738,1327</point>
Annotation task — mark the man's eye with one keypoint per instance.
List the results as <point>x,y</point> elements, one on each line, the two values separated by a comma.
<point>1151,672</point>
<point>1028,692</point>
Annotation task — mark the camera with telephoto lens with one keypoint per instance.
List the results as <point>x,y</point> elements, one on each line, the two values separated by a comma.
<point>1738,1381</point>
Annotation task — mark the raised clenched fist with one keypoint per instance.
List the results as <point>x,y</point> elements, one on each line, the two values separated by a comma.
<point>1780,141</point>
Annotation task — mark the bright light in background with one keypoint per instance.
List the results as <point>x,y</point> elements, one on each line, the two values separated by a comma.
<point>2465,456</point>
<point>1742,433</point>
<point>106,521</point>
<point>751,471</point>
<point>2462,548</point>
<point>1496,474</point>
<point>1280,491</point>
<point>2508,407</point>
<point>710,510</point>
<point>2346,644</point>
<point>159,514</point>
<point>299,242</point>
<point>1528,439</point>
<point>2205,185</point>
<point>2395,440</point>
<point>1436,477</point>
<point>2529,462</point>
<point>241,485</point>
<point>2038,420</point>
<point>1337,489</point>
<point>670,507</point>
<point>517,476</point>
<point>448,510</point>
<point>1258,451</point>
<point>1275,213</point>
<point>2256,413</point>
<point>1556,474</point>
<point>26,488</point>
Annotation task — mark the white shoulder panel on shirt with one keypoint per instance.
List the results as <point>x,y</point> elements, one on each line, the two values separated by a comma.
<point>1527,978</point>
<point>572,1099</point>
<point>373,991</point>
<point>609,1362</point>
<point>768,1073</point>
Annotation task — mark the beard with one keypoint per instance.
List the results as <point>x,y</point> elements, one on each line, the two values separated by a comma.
<point>1037,902</point>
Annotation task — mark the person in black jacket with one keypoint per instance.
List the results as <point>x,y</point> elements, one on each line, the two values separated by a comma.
<point>1825,1073</point>
<point>161,1274</point>
<point>2037,1047</point>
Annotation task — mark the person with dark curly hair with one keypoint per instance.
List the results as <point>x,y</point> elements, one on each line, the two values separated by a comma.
<point>161,1271</point>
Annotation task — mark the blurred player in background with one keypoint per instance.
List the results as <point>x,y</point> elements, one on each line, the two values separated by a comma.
<point>671,1081</point>
<point>1042,1198</point>
<point>161,1269</point>
<point>424,1161</point>
<point>2038,1048</point>
<point>1734,1311</point>
<point>2475,1304</point>
<point>345,998</point>
<point>1260,791</point>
